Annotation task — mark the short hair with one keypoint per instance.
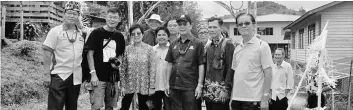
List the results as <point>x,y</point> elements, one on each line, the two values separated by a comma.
<point>136,26</point>
<point>165,29</point>
<point>113,10</point>
<point>220,20</point>
<point>281,50</point>
<point>171,19</point>
<point>243,14</point>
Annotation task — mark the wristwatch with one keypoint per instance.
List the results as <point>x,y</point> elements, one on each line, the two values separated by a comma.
<point>266,94</point>
<point>92,71</point>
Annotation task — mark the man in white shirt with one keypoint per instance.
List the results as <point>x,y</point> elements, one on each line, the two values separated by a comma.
<point>282,81</point>
<point>62,59</point>
<point>252,65</point>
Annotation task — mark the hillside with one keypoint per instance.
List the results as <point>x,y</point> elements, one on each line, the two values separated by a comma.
<point>269,7</point>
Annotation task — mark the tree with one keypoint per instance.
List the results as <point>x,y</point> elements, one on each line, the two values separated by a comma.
<point>302,10</point>
<point>190,8</point>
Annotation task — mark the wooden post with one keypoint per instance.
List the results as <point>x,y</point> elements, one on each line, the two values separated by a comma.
<point>349,87</point>
<point>130,12</point>
<point>3,18</point>
<point>21,36</point>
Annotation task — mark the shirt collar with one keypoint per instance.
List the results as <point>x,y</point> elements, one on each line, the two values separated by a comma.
<point>168,44</point>
<point>65,27</point>
<point>190,38</point>
<point>282,64</point>
<point>251,41</point>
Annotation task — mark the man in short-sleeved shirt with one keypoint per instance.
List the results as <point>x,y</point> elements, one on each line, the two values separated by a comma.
<point>252,63</point>
<point>185,68</point>
<point>103,44</point>
<point>63,48</point>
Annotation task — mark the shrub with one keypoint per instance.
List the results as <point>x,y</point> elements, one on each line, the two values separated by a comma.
<point>22,78</point>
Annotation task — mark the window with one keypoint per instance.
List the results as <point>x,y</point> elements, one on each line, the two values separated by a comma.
<point>236,32</point>
<point>301,39</point>
<point>293,40</point>
<point>267,31</point>
<point>43,5</point>
<point>311,33</point>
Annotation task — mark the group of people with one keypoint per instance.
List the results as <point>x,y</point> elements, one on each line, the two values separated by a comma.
<point>166,64</point>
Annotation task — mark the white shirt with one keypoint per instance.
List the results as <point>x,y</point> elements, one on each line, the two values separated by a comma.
<point>249,62</point>
<point>282,79</point>
<point>109,50</point>
<point>161,67</point>
<point>68,55</point>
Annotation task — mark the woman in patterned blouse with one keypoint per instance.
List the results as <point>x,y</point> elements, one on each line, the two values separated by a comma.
<point>137,70</point>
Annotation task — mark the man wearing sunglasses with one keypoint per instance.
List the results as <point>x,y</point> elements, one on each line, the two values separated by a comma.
<point>252,63</point>
<point>185,70</point>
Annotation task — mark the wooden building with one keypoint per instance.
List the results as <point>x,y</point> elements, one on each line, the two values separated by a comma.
<point>340,30</point>
<point>270,27</point>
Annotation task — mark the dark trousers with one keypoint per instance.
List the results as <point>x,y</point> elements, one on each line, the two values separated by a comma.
<point>141,100</point>
<point>245,105</point>
<point>279,104</point>
<point>157,98</point>
<point>183,99</point>
<point>217,106</point>
<point>63,92</point>
<point>312,100</point>
<point>199,104</point>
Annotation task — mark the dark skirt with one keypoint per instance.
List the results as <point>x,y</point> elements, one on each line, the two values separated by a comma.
<point>312,100</point>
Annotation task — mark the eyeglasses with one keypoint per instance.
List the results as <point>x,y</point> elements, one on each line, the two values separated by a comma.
<point>172,25</point>
<point>246,24</point>
<point>203,33</point>
<point>136,34</point>
<point>183,24</point>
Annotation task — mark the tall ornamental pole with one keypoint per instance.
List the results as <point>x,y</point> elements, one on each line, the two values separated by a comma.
<point>130,12</point>
<point>21,27</point>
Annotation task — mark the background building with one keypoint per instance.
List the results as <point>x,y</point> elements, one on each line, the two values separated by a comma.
<point>270,27</point>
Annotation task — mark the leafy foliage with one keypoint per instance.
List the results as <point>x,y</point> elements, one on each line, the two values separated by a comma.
<point>22,78</point>
<point>31,30</point>
<point>269,7</point>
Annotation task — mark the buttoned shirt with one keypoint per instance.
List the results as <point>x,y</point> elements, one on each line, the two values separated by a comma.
<point>68,56</point>
<point>161,67</point>
<point>249,61</point>
<point>282,79</point>
<point>185,69</point>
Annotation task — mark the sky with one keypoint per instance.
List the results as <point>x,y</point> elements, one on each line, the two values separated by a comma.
<point>210,8</point>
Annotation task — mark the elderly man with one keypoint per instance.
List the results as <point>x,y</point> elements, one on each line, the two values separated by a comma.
<point>282,81</point>
<point>63,48</point>
<point>150,35</point>
<point>252,63</point>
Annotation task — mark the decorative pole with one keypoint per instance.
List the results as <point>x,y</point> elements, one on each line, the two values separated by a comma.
<point>349,87</point>
<point>21,36</point>
<point>130,12</point>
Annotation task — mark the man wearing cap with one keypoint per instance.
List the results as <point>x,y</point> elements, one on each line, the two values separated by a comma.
<point>150,36</point>
<point>63,48</point>
<point>185,68</point>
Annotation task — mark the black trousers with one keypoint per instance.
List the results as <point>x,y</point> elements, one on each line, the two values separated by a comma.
<point>141,100</point>
<point>157,98</point>
<point>312,100</point>
<point>217,106</point>
<point>183,99</point>
<point>63,92</point>
<point>245,105</point>
<point>279,104</point>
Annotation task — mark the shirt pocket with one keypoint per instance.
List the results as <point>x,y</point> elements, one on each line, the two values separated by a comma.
<point>63,42</point>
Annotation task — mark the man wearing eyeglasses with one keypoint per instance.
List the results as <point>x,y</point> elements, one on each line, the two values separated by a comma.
<point>252,63</point>
<point>185,70</point>
<point>105,45</point>
<point>62,59</point>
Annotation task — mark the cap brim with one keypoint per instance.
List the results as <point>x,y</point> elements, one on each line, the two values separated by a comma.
<point>154,19</point>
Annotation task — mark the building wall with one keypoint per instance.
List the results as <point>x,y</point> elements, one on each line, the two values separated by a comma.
<point>298,54</point>
<point>340,32</point>
<point>277,36</point>
<point>34,11</point>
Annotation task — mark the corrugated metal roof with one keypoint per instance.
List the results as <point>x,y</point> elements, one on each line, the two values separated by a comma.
<point>270,18</point>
